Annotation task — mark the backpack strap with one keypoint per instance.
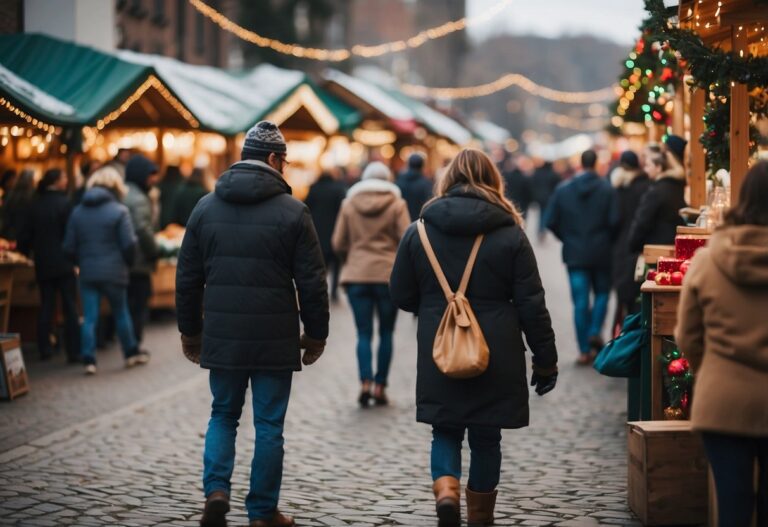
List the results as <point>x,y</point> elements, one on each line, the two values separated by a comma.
<point>449,294</point>
<point>470,265</point>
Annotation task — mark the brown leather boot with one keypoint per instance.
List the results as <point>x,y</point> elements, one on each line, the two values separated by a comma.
<point>480,507</point>
<point>447,501</point>
<point>216,509</point>
<point>278,520</point>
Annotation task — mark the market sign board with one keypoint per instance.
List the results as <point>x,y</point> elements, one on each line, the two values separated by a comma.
<point>13,376</point>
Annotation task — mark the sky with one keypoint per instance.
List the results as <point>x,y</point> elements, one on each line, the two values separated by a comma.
<point>616,20</point>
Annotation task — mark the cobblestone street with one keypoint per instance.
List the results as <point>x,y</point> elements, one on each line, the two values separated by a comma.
<point>125,448</point>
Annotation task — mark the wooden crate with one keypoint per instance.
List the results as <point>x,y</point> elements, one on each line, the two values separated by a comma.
<point>651,253</point>
<point>667,473</point>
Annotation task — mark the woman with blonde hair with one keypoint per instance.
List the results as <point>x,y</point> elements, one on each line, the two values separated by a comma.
<point>507,297</point>
<point>101,240</point>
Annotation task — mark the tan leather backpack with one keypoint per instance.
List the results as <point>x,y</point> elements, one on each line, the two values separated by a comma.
<point>459,350</point>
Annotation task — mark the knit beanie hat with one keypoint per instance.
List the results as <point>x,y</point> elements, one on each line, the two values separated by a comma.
<point>262,139</point>
<point>416,161</point>
<point>676,145</point>
<point>377,170</point>
<point>629,159</point>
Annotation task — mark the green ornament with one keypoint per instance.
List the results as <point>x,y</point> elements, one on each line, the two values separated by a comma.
<point>675,354</point>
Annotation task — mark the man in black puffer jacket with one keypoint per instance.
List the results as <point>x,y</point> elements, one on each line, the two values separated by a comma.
<point>246,246</point>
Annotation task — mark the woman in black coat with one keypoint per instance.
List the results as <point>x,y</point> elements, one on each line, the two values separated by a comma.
<point>42,236</point>
<point>658,214</point>
<point>507,297</point>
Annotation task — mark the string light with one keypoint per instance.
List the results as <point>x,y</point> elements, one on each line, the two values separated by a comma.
<point>504,82</point>
<point>338,55</point>
<point>31,120</point>
<point>151,82</point>
<point>582,125</point>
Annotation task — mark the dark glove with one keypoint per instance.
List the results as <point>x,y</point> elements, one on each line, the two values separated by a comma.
<point>192,346</point>
<point>544,379</point>
<point>314,348</point>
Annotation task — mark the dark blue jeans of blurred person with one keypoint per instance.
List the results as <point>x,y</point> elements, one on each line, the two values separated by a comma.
<point>485,455</point>
<point>270,390</point>
<point>90,295</point>
<point>366,300</point>
<point>589,316</point>
<point>732,459</point>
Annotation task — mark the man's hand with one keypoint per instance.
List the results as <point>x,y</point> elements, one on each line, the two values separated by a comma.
<point>544,379</point>
<point>314,348</point>
<point>192,346</point>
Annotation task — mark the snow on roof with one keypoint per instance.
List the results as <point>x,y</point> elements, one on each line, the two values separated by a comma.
<point>30,93</point>
<point>221,100</point>
<point>371,94</point>
<point>442,124</point>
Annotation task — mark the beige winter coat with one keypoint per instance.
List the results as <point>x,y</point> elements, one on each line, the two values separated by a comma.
<point>723,329</point>
<point>371,222</point>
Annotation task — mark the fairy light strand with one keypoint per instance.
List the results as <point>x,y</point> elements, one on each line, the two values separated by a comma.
<point>8,105</point>
<point>506,81</point>
<point>151,82</point>
<point>338,55</point>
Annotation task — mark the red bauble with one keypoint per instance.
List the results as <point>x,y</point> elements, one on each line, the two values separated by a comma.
<point>662,279</point>
<point>678,367</point>
<point>651,275</point>
<point>676,278</point>
<point>640,46</point>
<point>684,401</point>
<point>667,74</point>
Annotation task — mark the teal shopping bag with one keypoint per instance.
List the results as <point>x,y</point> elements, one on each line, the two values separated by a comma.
<point>621,356</point>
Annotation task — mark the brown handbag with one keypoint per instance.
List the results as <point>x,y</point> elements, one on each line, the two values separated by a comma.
<point>459,350</point>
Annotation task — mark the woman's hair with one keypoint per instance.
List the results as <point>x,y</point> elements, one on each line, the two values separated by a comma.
<point>50,178</point>
<point>752,208</point>
<point>109,178</point>
<point>667,162</point>
<point>475,171</point>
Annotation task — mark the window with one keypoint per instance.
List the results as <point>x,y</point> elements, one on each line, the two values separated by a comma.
<point>160,9</point>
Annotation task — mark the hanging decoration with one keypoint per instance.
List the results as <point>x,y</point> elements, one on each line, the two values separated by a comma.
<point>713,70</point>
<point>678,380</point>
<point>338,55</point>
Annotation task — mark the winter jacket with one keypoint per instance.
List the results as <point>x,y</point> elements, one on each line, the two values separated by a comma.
<point>371,223</point>
<point>544,181</point>
<point>100,238</point>
<point>583,214</point>
<point>506,295</point>
<point>517,189</point>
<point>658,215</point>
<point>324,202</point>
<point>137,172</point>
<point>722,330</point>
<point>630,186</point>
<point>15,213</point>
<point>184,200</point>
<point>416,191</point>
<point>245,246</point>
<point>43,235</point>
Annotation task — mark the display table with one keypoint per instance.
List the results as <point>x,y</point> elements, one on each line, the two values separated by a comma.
<point>164,286</point>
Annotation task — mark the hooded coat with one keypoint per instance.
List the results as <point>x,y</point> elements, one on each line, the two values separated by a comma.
<point>245,246</point>
<point>324,201</point>
<point>722,330</point>
<point>658,214</point>
<point>43,235</point>
<point>100,238</point>
<point>505,293</point>
<point>416,190</point>
<point>370,225</point>
<point>583,213</point>
<point>631,186</point>
<point>137,173</point>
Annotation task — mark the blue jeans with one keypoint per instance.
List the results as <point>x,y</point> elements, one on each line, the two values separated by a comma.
<point>270,390</point>
<point>90,296</point>
<point>732,459</point>
<point>365,299</point>
<point>589,319</point>
<point>485,455</point>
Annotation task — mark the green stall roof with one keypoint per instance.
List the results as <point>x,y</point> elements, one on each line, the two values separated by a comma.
<point>71,84</point>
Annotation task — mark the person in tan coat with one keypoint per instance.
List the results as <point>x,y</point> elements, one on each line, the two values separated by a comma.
<point>372,220</point>
<point>723,330</point>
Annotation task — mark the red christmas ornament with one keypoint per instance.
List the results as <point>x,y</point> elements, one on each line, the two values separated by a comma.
<point>712,133</point>
<point>640,46</point>
<point>667,74</point>
<point>682,63</point>
<point>684,401</point>
<point>678,367</point>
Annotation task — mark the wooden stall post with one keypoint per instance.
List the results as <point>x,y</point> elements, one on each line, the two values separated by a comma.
<point>698,178</point>
<point>678,115</point>
<point>739,119</point>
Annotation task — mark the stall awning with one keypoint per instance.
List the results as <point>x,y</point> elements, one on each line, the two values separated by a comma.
<point>490,132</point>
<point>402,111</point>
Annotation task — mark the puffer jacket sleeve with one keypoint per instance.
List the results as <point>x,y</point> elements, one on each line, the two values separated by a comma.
<point>190,281</point>
<point>340,238</point>
<point>552,215</point>
<point>689,332</point>
<point>403,284</point>
<point>528,299</point>
<point>643,221</point>
<point>141,213</point>
<point>309,275</point>
<point>126,235</point>
<point>69,244</point>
